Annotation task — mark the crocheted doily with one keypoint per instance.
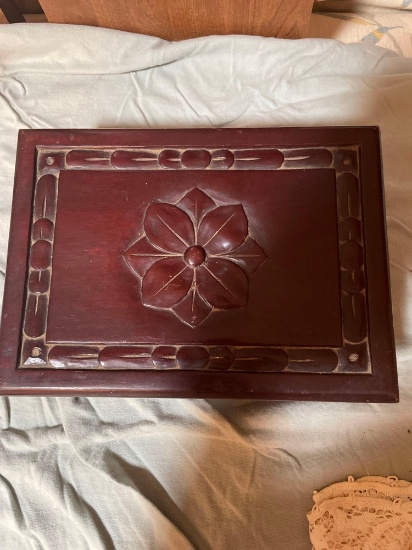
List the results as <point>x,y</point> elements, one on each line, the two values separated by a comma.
<point>368,513</point>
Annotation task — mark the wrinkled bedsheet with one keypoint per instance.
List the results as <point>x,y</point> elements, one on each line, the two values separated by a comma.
<point>157,474</point>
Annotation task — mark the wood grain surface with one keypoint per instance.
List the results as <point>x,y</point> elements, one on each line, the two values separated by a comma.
<point>11,11</point>
<point>250,263</point>
<point>187,18</point>
<point>29,17</point>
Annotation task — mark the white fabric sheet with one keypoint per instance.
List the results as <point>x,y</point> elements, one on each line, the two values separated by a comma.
<point>127,474</point>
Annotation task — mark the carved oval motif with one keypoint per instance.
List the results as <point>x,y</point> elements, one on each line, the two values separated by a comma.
<point>352,281</point>
<point>260,359</point>
<point>36,313</point>
<point>39,281</point>
<point>74,357</point>
<point>164,357</point>
<point>348,196</point>
<point>126,357</point>
<point>312,360</point>
<point>350,230</point>
<point>222,159</point>
<point>169,158</point>
<point>351,255</point>
<point>196,159</point>
<point>192,357</point>
<point>312,158</point>
<point>221,358</point>
<point>40,255</point>
<point>43,230</point>
<point>354,317</point>
<point>140,160</point>
<point>91,158</point>
<point>45,199</point>
<point>255,159</point>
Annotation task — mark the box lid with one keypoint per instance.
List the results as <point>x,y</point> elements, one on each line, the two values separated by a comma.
<point>199,263</point>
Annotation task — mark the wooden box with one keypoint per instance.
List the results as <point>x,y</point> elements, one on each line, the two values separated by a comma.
<point>227,263</point>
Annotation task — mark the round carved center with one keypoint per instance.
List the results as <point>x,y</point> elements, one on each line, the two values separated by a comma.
<point>195,256</point>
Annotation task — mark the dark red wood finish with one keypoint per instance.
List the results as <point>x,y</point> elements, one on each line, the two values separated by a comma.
<point>199,263</point>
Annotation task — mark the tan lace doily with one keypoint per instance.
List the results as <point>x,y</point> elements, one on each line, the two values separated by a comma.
<point>370,513</point>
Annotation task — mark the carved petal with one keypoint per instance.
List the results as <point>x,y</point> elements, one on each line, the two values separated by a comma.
<point>168,227</point>
<point>193,310</point>
<point>249,256</point>
<point>142,255</point>
<point>196,203</point>
<point>166,283</point>
<point>222,283</point>
<point>223,229</point>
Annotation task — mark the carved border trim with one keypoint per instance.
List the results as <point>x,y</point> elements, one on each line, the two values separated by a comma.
<point>352,358</point>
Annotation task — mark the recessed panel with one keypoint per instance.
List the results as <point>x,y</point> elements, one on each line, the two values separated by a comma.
<point>196,257</point>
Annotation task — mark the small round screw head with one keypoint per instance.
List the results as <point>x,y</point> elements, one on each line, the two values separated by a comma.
<point>35,352</point>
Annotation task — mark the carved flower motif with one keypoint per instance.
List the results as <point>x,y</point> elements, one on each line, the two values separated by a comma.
<point>194,256</point>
